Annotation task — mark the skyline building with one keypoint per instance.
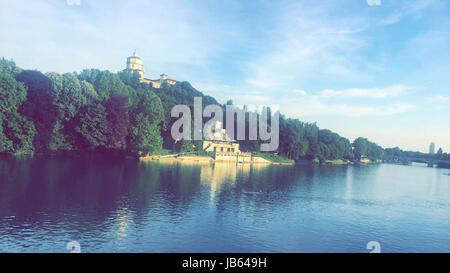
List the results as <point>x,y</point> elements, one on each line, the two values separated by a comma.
<point>432,147</point>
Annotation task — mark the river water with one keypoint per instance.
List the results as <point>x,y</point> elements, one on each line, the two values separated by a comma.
<point>119,205</point>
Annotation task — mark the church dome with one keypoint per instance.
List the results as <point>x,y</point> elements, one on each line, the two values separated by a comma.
<point>134,56</point>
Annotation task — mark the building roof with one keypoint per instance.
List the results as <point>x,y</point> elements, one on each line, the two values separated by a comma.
<point>134,55</point>
<point>221,141</point>
<point>157,80</point>
<point>152,80</point>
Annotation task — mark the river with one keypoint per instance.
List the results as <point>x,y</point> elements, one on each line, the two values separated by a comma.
<point>117,205</point>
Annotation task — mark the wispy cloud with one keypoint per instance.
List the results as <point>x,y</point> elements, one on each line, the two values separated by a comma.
<point>171,36</point>
<point>262,83</point>
<point>313,106</point>
<point>387,92</point>
<point>73,2</point>
<point>391,19</point>
<point>373,2</point>
<point>442,98</point>
<point>406,8</point>
<point>300,92</point>
<point>306,46</point>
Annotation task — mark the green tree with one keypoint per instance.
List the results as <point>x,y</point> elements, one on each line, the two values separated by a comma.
<point>92,127</point>
<point>16,132</point>
<point>68,97</point>
<point>63,137</point>
<point>12,94</point>
<point>39,106</point>
<point>147,116</point>
<point>184,146</point>
<point>118,122</point>
<point>363,147</point>
<point>89,92</point>
<point>360,147</point>
<point>148,103</point>
<point>6,144</point>
<point>21,132</point>
<point>144,136</point>
<point>131,79</point>
<point>9,67</point>
<point>106,84</point>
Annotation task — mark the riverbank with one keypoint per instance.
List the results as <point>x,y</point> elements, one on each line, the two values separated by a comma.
<point>254,159</point>
<point>275,159</point>
<point>337,162</point>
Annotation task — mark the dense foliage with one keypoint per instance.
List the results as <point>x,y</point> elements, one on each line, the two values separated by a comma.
<point>100,111</point>
<point>91,111</point>
<point>363,147</point>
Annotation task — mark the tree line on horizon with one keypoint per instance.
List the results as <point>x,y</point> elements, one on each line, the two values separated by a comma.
<point>102,112</point>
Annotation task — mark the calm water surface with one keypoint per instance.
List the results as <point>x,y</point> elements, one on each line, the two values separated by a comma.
<point>132,206</point>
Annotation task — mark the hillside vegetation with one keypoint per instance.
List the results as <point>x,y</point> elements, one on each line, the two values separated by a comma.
<point>104,112</point>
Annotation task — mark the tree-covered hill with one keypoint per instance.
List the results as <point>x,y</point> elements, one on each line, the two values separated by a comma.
<point>93,111</point>
<point>105,112</point>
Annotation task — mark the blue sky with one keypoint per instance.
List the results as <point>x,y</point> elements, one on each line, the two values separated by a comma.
<point>373,68</point>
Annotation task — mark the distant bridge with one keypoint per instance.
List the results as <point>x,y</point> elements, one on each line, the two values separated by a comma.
<point>431,162</point>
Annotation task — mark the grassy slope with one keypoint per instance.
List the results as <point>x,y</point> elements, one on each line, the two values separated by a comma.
<point>273,158</point>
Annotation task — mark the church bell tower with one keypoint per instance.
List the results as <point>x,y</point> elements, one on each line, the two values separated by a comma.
<point>134,64</point>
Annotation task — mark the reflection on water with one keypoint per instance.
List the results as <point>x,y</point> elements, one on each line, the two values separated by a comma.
<point>132,206</point>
